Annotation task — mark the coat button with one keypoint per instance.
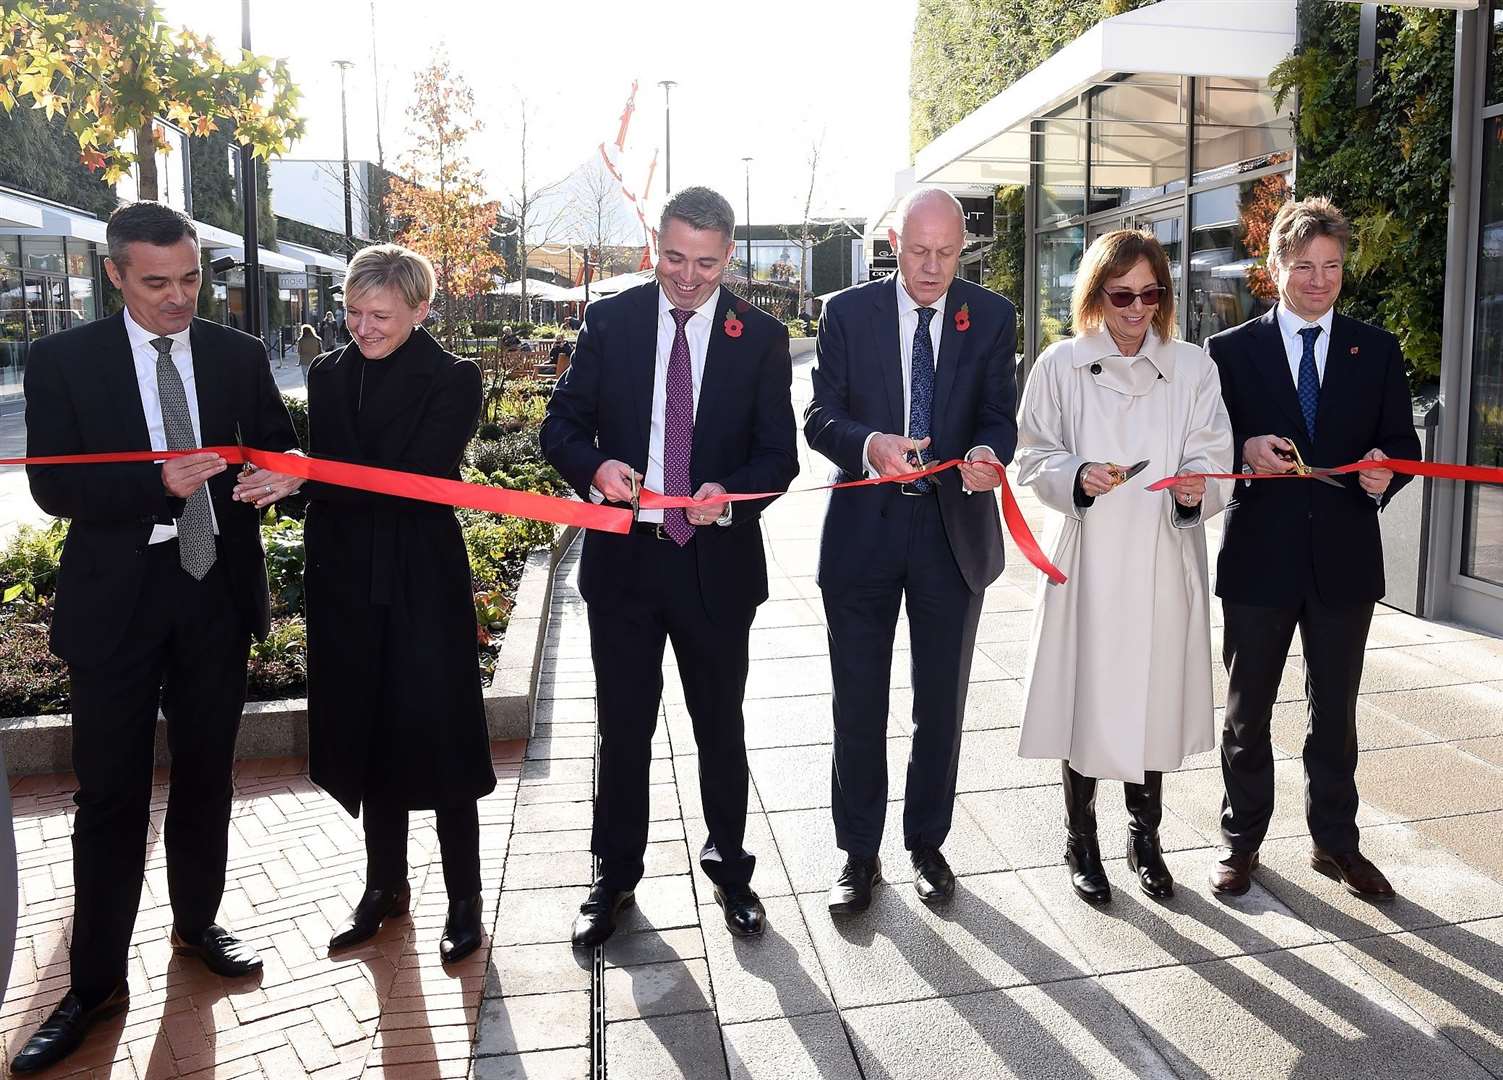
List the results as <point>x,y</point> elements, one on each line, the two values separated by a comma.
<point>1095,369</point>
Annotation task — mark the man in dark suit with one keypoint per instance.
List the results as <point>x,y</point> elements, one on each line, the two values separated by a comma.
<point>163,584</point>
<point>917,366</point>
<point>1304,384</point>
<point>683,387</point>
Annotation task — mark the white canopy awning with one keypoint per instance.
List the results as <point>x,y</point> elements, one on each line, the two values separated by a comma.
<point>536,290</point>
<point>57,221</point>
<point>992,145</point>
<point>19,213</point>
<point>223,242</point>
<point>606,286</point>
<point>311,256</point>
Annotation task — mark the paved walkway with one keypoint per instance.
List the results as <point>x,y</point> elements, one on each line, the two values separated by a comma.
<point>1018,978</point>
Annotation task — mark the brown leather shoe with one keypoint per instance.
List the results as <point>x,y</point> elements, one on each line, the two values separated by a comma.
<point>1232,874</point>
<point>1360,877</point>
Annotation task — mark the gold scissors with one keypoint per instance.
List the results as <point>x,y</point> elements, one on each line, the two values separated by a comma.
<point>636,496</point>
<point>1121,474</point>
<point>1301,469</point>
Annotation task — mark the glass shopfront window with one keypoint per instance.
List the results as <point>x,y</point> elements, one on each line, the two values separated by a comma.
<point>10,252</point>
<point>1482,524</point>
<point>1238,129</point>
<point>1137,143</point>
<point>12,325</point>
<point>43,253</point>
<point>1495,58</point>
<point>1229,280</point>
<point>1060,251</point>
<point>1062,174</point>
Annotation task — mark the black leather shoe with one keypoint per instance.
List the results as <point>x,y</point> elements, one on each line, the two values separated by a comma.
<point>376,906</point>
<point>1353,870</point>
<point>744,915</point>
<point>1087,875</point>
<point>61,1032</point>
<point>1146,859</point>
<point>463,931</point>
<point>852,891</point>
<point>221,951</point>
<point>598,914</point>
<point>933,880</point>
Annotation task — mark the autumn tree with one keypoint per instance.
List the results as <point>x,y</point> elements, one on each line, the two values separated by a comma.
<point>441,202</point>
<point>108,67</point>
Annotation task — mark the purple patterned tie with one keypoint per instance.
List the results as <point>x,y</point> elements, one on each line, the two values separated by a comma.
<point>678,429</point>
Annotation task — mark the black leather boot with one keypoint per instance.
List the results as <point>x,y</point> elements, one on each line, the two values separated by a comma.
<point>376,906</point>
<point>1145,808</point>
<point>463,930</point>
<point>1082,855</point>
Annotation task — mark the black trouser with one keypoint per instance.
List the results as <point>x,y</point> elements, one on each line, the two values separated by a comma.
<point>911,562</point>
<point>1256,646</point>
<point>186,647</point>
<point>627,637</point>
<point>458,827</point>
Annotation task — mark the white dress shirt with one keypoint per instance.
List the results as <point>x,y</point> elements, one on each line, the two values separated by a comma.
<point>697,333</point>
<point>1290,325</point>
<point>908,320</point>
<point>144,355</point>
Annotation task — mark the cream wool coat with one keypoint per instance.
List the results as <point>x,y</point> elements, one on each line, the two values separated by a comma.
<point>1120,659</point>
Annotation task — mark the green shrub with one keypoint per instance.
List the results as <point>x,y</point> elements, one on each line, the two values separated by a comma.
<point>283,540</point>
<point>497,545</point>
<point>32,681</point>
<point>279,665</point>
<point>485,328</point>
<point>799,328</point>
<point>297,408</point>
<point>489,430</point>
<point>29,563</point>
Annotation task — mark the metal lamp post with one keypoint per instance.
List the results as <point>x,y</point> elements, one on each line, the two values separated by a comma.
<point>248,202</point>
<point>667,85</point>
<point>747,162</point>
<point>344,127</point>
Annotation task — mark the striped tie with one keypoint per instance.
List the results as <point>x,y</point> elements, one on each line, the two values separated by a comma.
<point>195,528</point>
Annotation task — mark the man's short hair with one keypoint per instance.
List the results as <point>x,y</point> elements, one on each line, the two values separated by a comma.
<point>393,266</point>
<point>699,208</point>
<point>1297,223</point>
<point>146,222</point>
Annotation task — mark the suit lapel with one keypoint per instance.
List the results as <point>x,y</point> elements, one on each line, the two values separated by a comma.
<point>118,383</point>
<point>721,352</point>
<point>889,352</point>
<point>216,412</point>
<point>642,356</point>
<point>1273,362</point>
<point>951,345</point>
<point>1340,368</point>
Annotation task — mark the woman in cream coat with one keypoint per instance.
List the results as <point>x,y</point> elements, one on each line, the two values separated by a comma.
<point>1120,661</point>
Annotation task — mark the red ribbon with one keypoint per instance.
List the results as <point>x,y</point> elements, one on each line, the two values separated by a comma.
<point>527,504</point>
<point>1439,470</point>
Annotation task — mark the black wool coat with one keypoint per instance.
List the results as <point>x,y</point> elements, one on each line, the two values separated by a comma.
<point>394,698</point>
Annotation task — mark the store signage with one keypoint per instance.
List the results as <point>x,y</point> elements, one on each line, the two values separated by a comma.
<point>292,281</point>
<point>979,216</point>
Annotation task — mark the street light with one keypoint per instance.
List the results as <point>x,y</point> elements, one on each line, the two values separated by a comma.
<point>248,201</point>
<point>344,127</point>
<point>747,161</point>
<point>667,85</point>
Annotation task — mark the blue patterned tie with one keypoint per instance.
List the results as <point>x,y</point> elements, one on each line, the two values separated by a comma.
<point>1309,380</point>
<point>921,389</point>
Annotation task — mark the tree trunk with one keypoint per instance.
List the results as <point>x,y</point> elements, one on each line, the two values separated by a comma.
<point>146,163</point>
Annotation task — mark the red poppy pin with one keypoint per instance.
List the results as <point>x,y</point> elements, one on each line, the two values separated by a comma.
<point>1354,350</point>
<point>963,318</point>
<point>733,325</point>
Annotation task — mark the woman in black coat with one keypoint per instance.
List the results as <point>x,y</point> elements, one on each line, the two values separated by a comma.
<point>395,717</point>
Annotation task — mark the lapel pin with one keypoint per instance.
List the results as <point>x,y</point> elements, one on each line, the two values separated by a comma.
<point>1354,350</point>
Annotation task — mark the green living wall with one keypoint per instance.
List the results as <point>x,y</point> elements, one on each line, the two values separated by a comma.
<point>1386,164</point>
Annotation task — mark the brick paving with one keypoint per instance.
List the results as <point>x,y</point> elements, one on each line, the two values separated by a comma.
<point>297,864</point>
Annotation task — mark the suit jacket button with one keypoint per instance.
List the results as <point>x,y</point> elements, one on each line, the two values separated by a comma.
<point>141,550</point>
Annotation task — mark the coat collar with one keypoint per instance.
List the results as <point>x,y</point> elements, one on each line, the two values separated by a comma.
<point>1098,344</point>
<point>396,393</point>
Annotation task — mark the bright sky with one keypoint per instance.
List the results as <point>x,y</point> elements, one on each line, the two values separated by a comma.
<point>759,80</point>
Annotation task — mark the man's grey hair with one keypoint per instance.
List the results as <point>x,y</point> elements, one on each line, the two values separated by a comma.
<point>700,208</point>
<point>146,222</point>
<point>926,196</point>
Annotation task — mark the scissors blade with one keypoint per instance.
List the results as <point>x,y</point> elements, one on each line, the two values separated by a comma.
<point>636,498</point>
<point>1326,478</point>
<point>1135,469</point>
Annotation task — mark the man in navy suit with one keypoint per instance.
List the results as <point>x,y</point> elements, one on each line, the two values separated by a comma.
<point>1303,554</point>
<point>683,387</point>
<point>919,366</point>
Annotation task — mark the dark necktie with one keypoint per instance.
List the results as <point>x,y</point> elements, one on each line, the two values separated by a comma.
<point>921,389</point>
<point>1309,380</point>
<point>195,527</point>
<point>678,429</point>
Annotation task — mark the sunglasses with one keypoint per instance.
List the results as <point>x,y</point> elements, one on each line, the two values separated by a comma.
<point>1123,298</point>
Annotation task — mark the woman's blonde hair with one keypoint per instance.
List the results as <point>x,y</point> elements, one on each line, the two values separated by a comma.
<point>1112,255</point>
<point>393,266</point>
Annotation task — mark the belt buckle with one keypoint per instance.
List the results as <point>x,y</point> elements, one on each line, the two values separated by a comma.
<point>658,533</point>
<point>907,489</point>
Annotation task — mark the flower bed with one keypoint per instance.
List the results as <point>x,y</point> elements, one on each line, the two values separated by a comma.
<point>33,682</point>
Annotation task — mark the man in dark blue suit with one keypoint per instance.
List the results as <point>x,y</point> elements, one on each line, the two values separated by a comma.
<point>1304,383</point>
<point>684,387</point>
<point>915,367</point>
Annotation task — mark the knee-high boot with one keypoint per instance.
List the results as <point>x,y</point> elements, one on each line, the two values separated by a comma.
<point>1082,854</point>
<point>1145,808</point>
